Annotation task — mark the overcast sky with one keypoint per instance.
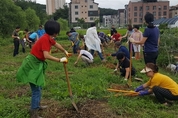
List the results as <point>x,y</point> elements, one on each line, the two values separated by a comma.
<point>113,4</point>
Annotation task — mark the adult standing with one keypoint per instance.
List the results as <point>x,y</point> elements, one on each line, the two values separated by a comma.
<point>151,37</point>
<point>22,36</point>
<point>16,38</point>
<point>93,42</point>
<point>127,35</point>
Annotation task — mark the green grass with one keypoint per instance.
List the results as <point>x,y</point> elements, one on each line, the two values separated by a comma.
<point>86,82</point>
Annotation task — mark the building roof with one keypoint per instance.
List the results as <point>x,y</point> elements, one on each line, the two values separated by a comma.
<point>169,21</point>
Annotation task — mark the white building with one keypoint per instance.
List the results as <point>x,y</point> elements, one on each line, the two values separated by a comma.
<point>53,5</point>
<point>109,20</point>
<point>83,9</point>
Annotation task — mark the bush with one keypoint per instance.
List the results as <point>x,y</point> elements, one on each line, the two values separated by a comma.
<point>5,41</point>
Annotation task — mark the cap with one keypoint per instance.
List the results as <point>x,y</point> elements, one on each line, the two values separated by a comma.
<point>145,70</point>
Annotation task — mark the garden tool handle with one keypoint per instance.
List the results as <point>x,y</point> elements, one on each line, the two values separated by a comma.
<point>67,79</point>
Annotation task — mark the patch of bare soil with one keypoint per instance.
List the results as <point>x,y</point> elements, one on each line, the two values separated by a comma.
<point>119,87</point>
<point>111,66</point>
<point>88,109</point>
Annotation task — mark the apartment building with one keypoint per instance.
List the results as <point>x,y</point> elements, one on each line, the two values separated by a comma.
<point>109,20</point>
<point>138,8</point>
<point>173,12</point>
<point>121,17</point>
<point>53,5</point>
<point>83,9</point>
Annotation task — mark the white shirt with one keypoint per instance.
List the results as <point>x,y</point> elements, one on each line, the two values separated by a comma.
<point>87,54</point>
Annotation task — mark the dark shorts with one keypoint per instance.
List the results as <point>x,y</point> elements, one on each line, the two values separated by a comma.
<point>150,57</point>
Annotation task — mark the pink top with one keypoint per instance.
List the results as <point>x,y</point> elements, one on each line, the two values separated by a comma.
<point>137,36</point>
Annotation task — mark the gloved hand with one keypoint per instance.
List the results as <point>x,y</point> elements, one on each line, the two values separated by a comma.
<point>142,93</point>
<point>66,53</point>
<point>115,70</point>
<point>139,88</point>
<point>63,60</point>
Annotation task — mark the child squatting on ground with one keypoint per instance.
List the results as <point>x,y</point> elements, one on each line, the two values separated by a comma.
<point>33,67</point>
<point>163,87</point>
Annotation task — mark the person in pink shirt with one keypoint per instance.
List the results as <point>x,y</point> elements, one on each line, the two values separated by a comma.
<point>137,36</point>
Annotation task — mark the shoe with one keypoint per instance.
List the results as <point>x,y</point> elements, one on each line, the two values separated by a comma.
<point>43,107</point>
<point>125,79</point>
<point>34,113</point>
<point>133,57</point>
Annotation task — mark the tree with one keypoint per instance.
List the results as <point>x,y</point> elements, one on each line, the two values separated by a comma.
<point>96,20</point>
<point>40,9</point>
<point>104,11</point>
<point>61,13</point>
<point>63,24</point>
<point>81,21</point>
<point>11,16</point>
<point>32,19</point>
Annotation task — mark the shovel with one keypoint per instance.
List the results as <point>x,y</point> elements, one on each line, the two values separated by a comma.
<point>69,88</point>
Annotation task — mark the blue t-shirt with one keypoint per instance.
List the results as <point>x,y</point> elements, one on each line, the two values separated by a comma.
<point>151,44</point>
<point>33,36</point>
<point>124,50</point>
<point>40,32</point>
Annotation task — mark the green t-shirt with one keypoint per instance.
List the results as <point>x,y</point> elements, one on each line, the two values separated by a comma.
<point>21,34</point>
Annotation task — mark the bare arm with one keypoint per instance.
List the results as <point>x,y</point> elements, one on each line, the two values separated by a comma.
<point>142,41</point>
<point>14,36</point>
<point>125,35</point>
<point>77,59</point>
<point>127,72</point>
<point>58,46</point>
<point>50,57</point>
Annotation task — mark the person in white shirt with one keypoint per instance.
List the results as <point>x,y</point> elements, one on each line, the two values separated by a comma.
<point>86,56</point>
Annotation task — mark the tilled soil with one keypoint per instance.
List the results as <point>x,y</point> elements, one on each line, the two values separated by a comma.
<point>88,109</point>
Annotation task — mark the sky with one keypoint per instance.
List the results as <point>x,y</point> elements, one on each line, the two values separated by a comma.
<point>113,4</point>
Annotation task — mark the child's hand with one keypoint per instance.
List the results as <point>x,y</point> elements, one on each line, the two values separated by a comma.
<point>63,60</point>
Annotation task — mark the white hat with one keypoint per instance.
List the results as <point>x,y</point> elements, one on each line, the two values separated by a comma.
<point>145,70</point>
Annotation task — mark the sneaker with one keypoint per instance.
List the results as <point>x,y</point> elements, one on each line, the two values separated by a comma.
<point>125,79</point>
<point>133,57</point>
<point>43,107</point>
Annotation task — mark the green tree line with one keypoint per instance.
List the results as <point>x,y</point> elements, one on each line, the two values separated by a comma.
<point>28,15</point>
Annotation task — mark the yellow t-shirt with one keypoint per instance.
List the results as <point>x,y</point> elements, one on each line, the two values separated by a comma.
<point>164,82</point>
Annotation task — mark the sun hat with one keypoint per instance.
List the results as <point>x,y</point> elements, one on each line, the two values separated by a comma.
<point>145,70</point>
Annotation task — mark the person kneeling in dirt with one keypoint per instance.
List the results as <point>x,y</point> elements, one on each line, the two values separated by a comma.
<point>86,56</point>
<point>163,87</point>
<point>124,65</point>
<point>34,65</point>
